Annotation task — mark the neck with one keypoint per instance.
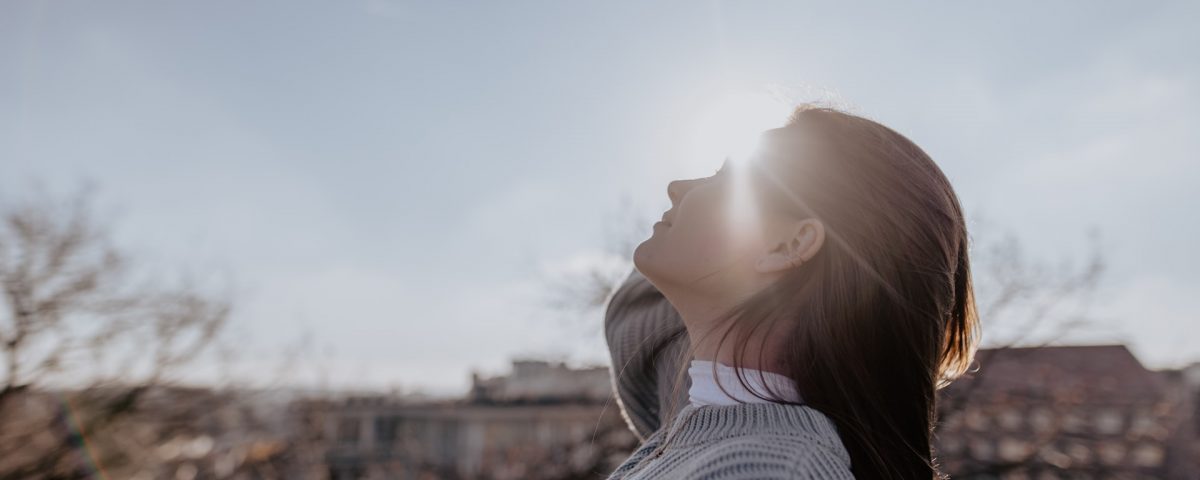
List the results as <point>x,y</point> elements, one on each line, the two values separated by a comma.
<point>706,324</point>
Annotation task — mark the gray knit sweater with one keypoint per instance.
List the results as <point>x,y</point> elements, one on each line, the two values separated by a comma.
<point>646,339</point>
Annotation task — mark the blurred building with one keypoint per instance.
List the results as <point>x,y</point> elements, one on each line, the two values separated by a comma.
<point>143,432</point>
<point>540,381</point>
<point>1070,412</point>
<point>543,420</point>
<point>1027,413</point>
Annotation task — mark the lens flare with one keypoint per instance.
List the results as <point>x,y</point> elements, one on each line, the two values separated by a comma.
<point>730,127</point>
<point>743,208</point>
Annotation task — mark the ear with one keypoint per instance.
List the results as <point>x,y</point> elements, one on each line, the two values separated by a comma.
<point>799,243</point>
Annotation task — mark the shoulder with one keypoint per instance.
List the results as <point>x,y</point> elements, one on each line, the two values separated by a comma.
<point>773,456</point>
<point>786,442</point>
<point>821,461</point>
<point>754,441</point>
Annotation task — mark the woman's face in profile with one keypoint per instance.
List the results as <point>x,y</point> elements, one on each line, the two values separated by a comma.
<point>711,237</point>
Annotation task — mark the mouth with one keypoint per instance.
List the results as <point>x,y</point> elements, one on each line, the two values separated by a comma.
<point>664,221</point>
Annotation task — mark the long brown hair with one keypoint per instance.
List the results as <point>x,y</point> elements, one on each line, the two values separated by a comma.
<point>884,314</point>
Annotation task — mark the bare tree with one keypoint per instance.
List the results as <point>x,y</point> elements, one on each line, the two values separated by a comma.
<point>1029,302</point>
<point>85,345</point>
<point>583,291</point>
<point>1022,302</point>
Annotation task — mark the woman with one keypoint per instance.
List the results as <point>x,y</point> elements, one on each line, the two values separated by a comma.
<point>820,294</point>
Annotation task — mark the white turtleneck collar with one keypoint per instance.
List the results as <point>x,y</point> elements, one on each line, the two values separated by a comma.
<point>705,391</point>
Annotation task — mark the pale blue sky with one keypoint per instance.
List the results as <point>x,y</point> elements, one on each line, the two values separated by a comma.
<point>397,178</point>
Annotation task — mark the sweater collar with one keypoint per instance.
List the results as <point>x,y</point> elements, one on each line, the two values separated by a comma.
<point>715,383</point>
<point>699,423</point>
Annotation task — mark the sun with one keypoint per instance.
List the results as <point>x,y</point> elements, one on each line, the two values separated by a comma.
<point>731,125</point>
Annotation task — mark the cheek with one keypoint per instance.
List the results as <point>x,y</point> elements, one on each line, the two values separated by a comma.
<point>710,229</point>
<point>702,239</point>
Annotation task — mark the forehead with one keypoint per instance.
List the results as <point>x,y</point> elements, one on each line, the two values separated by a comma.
<point>781,147</point>
<point>787,169</point>
<point>783,138</point>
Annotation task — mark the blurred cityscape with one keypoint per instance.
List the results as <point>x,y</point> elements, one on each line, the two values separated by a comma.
<point>1070,412</point>
<point>1042,412</point>
<point>95,361</point>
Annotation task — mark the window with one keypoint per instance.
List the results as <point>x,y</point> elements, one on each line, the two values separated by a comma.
<point>1109,421</point>
<point>1143,424</point>
<point>1013,450</point>
<point>1051,454</point>
<point>1073,422</point>
<point>1042,420</point>
<point>1148,455</point>
<point>976,420</point>
<point>386,429</point>
<point>951,444</point>
<point>1080,453</point>
<point>348,431</point>
<point>981,449</point>
<point>1010,419</point>
<point>1111,453</point>
<point>951,422</point>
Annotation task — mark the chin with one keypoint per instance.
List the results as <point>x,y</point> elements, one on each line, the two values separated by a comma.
<point>643,259</point>
<point>647,262</point>
<point>639,256</point>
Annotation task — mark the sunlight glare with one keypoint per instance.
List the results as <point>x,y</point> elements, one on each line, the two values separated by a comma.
<point>731,125</point>
<point>730,128</point>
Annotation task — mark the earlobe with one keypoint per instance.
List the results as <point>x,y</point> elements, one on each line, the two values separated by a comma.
<point>803,244</point>
<point>774,262</point>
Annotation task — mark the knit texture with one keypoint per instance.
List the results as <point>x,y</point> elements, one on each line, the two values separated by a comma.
<point>741,442</point>
<point>718,442</point>
<point>646,340</point>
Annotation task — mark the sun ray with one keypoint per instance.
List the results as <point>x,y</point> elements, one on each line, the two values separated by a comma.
<point>730,126</point>
<point>729,129</point>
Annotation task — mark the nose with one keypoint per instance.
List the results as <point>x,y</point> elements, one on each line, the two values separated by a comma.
<point>676,189</point>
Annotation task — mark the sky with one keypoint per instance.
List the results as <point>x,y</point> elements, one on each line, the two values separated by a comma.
<point>388,185</point>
